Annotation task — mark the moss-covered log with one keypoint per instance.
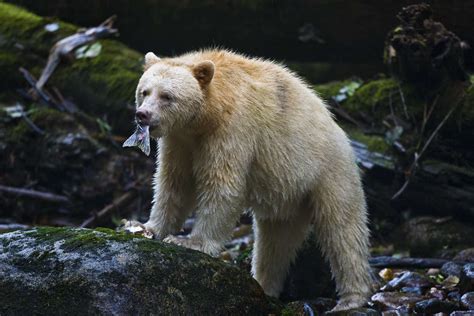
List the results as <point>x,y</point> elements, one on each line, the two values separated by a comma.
<point>77,271</point>
<point>102,86</point>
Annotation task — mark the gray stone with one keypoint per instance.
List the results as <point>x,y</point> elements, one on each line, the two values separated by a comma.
<point>355,312</point>
<point>467,300</point>
<point>408,280</point>
<point>451,268</point>
<point>69,271</point>
<point>434,305</point>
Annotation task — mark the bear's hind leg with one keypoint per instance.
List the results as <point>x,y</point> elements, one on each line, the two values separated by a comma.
<point>276,244</point>
<point>343,236</point>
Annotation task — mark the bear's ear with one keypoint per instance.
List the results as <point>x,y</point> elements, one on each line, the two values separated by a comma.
<point>150,60</point>
<point>203,72</point>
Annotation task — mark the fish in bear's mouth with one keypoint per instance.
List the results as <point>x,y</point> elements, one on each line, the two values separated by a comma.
<point>140,139</point>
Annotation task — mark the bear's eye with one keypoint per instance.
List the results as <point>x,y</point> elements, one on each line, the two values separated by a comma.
<point>165,96</point>
<point>145,93</point>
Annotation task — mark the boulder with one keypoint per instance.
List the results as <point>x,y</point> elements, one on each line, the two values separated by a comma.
<point>71,271</point>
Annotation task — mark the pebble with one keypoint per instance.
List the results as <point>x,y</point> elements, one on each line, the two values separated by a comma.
<point>434,305</point>
<point>355,312</point>
<point>437,293</point>
<point>451,268</point>
<point>408,279</point>
<point>467,300</point>
<point>393,300</point>
<point>462,313</point>
<point>466,283</point>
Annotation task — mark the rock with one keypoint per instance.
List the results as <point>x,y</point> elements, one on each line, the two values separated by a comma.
<point>466,283</point>
<point>408,280</point>
<point>434,305</point>
<point>393,300</point>
<point>414,290</point>
<point>355,312</point>
<point>462,313</point>
<point>317,307</point>
<point>466,255</point>
<point>396,312</point>
<point>427,236</point>
<point>451,268</point>
<point>467,300</point>
<point>68,271</point>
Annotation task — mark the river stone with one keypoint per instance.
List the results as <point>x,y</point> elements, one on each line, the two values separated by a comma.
<point>467,300</point>
<point>433,306</point>
<point>451,268</point>
<point>72,271</point>
<point>466,283</point>
<point>355,312</point>
<point>409,280</point>
<point>394,300</point>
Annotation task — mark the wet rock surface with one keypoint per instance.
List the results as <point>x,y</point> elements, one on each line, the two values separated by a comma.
<point>434,305</point>
<point>68,271</point>
<point>467,300</point>
<point>409,281</point>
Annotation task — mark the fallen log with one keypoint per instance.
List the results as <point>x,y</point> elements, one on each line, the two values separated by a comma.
<point>415,263</point>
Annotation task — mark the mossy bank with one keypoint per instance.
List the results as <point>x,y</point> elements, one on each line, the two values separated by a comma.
<point>102,86</point>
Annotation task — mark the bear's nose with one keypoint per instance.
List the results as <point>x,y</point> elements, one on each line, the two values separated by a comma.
<point>143,117</point>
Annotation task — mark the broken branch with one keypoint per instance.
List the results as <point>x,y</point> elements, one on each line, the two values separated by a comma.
<point>46,196</point>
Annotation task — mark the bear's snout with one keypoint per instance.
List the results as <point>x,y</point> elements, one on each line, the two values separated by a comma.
<point>143,117</point>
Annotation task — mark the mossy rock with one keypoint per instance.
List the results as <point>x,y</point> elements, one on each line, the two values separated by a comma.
<point>102,86</point>
<point>80,271</point>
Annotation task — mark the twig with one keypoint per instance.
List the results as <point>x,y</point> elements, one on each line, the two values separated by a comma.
<point>403,101</point>
<point>31,124</point>
<point>411,172</point>
<point>46,196</point>
<point>121,201</point>
<point>67,45</point>
<point>421,263</point>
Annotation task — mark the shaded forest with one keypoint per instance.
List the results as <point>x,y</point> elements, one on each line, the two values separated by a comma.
<point>396,76</point>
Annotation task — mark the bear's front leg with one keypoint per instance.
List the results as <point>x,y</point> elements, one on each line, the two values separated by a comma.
<point>220,173</point>
<point>173,191</point>
<point>218,211</point>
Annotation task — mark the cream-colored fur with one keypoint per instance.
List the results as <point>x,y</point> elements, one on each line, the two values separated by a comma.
<point>240,133</point>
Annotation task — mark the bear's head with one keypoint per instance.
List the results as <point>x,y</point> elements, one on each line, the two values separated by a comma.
<point>170,93</point>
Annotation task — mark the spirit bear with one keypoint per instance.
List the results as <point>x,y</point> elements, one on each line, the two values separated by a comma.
<point>244,134</point>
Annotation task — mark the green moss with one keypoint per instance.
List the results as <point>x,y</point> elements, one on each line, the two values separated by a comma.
<point>330,89</point>
<point>373,142</point>
<point>101,86</point>
<point>45,118</point>
<point>21,27</point>
<point>380,97</point>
